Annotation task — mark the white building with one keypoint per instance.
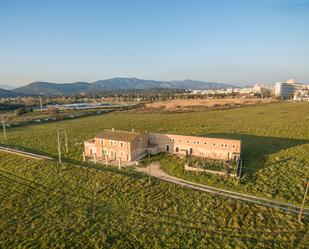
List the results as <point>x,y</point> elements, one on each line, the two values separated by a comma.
<point>287,89</point>
<point>263,89</point>
<point>302,95</point>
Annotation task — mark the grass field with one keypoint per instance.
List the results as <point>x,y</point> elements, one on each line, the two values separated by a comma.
<point>47,205</point>
<point>275,141</point>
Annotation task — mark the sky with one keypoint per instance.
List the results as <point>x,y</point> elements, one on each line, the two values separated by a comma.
<point>230,41</point>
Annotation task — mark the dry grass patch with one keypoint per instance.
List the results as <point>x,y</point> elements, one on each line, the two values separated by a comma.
<point>184,104</point>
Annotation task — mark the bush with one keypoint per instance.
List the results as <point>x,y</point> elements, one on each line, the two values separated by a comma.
<point>52,110</point>
<point>21,111</point>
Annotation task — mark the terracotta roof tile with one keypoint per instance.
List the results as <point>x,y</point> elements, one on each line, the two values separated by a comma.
<point>126,136</point>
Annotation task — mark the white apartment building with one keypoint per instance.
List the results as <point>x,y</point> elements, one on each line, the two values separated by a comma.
<point>287,89</point>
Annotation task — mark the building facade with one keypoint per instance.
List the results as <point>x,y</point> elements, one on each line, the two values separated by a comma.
<point>214,148</point>
<point>287,89</point>
<point>127,146</point>
<point>114,145</point>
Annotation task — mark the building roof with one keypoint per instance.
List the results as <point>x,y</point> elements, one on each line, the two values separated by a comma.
<point>125,136</point>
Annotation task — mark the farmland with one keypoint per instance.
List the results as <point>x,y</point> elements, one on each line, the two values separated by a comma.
<point>275,142</point>
<point>202,104</point>
<point>44,204</point>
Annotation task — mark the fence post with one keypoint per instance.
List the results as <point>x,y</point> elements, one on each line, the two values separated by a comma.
<point>95,157</point>
<point>119,163</point>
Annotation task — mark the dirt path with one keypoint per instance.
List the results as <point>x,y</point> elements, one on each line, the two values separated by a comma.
<point>155,171</point>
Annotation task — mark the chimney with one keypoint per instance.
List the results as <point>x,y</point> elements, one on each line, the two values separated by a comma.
<point>113,129</point>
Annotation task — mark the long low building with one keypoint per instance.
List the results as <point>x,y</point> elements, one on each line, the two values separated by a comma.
<point>215,148</point>
<point>128,146</point>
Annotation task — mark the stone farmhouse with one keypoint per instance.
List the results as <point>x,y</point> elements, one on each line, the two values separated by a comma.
<point>128,146</point>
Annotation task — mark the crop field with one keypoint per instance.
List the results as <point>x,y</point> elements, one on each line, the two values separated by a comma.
<point>47,205</point>
<point>275,142</point>
<point>196,104</point>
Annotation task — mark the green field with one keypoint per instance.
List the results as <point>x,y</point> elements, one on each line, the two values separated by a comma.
<point>47,205</point>
<point>275,141</point>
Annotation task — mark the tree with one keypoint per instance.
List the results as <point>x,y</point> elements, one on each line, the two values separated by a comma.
<point>21,111</point>
<point>52,110</point>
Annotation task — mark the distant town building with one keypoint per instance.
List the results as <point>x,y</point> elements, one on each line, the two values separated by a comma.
<point>302,95</point>
<point>263,89</point>
<point>287,89</point>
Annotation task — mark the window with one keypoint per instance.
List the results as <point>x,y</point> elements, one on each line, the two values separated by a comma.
<point>225,145</point>
<point>121,153</point>
<point>171,139</point>
<point>205,142</point>
<point>113,154</point>
<point>214,144</point>
<point>104,152</point>
<point>177,149</point>
<point>234,146</point>
<point>198,142</point>
<point>194,142</point>
<point>121,144</point>
<point>167,148</point>
<point>157,138</point>
<point>188,141</point>
<point>139,140</point>
<point>151,137</point>
<point>90,152</point>
<point>164,139</point>
<point>102,141</point>
<point>179,140</point>
<point>112,143</point>
<point>222,145</point>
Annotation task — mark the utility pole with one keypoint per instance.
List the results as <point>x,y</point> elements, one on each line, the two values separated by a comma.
<point>66,141</point>
<point>303,203</point>
<point>4,128</point>
<point>149,168</point>
<point>59,146</point>
<point>41,106</point>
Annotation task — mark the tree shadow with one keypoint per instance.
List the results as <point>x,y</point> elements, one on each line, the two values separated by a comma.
<point>255,149</point>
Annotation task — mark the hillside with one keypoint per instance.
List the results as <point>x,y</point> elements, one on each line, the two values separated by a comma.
<point>48,88</point>
<point>7,94</point>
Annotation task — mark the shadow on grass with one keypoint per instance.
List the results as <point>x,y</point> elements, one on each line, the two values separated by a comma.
<point>255,148</point>
<point>99,166</point>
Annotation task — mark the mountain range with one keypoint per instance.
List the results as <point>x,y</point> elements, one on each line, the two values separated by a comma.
<point>113,84</point>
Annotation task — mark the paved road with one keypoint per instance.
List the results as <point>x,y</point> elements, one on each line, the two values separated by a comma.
<point>155,171</point>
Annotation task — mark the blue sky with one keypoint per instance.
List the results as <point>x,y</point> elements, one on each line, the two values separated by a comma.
<point>213,40</point>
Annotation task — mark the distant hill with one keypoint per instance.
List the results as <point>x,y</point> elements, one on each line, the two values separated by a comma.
<point>196,84</point>
<point>47,88</point>
<point>9,94</point>
<point>7,87</point>
<point>134,83</point>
